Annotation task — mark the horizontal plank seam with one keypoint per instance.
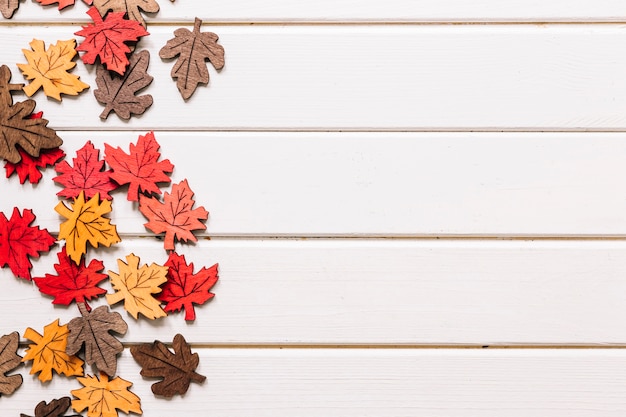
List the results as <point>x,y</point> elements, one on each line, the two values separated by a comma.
<point>348,130</point>
<point>390,237</point>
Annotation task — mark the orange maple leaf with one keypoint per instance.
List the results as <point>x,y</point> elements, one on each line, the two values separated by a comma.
<point>175,216</point>
<point>48,352</point>
<point>103,397</point>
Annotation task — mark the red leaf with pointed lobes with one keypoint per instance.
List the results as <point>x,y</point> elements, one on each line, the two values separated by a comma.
<point>62,3</point>
<point>86,175</point>
<point>19,241</point>
<point>175,216</point>
<point>73,282</point>
<point>183,288</point>
<point>106,39</point>
<point>141,168</point>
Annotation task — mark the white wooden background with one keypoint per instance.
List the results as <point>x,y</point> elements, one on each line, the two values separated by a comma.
<point>411,217</point>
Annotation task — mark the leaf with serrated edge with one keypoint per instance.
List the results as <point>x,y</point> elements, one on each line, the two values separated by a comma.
<point>131,7</point>
<point>9,360</point>
<point>102,397</point>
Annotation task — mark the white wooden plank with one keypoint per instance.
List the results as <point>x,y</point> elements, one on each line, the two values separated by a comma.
<point>376,292</point>
<point>370,382</point>
<point>388,77</point>
<point>377,184</point>
<point>361,11</point>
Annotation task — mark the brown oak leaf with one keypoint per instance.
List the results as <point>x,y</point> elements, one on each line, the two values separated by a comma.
<point>177,369</point>
<point>92,330</point>
<point>175,216</point>
<point>193,48</point>
<point>130,7</point>
<point>56,408</point>
<point>6,88</point>
<point>118,94</point>
<point>18,128</point>
<point>8,7</point>
<point>9,360</point>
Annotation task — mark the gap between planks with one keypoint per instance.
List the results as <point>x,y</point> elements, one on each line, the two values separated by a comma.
<point>364,22</point>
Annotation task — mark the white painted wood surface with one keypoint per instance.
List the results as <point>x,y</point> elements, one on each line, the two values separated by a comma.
<point>308,322</point>
<point>387,77</point>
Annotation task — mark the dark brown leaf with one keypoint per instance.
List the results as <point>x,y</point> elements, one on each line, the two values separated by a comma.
<point>118,94</point>
<point>6,88</point>
<point>55,408</point>
<point>176,369</point>
<point>9,360</point>
<point>92,330</point>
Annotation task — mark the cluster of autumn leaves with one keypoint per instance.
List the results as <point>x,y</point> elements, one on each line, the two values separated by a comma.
<point>110,43</point>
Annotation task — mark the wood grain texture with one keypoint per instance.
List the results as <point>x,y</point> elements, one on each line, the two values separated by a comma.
<point>370,382</point>
<point>351,11</point>
<point>376,184</point>
<point>441,292</point>
<point>432,77</point>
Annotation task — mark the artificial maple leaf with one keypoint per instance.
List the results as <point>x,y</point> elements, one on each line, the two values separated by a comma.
<point>140,168</point>
<point>176,216</point>
<point>106,39</point>
<point>8,7</point>
<point>130,7</point>
<point>136,285</point>
<point>48,69</point>
<point>9,360</point>
<point>19,241</point>
<point>56,408</point>
<point>102,397</point>
<point>118,94</point>
<point>6,88</point>
<point>92,329</point>
<point>177,369</point>
<point>193,48</point>
<point>86,175</point>
<point>62,3</point>
<point>73,282</point>
<point>48,352</point>
<point>85,223</point>
<point>17,127</point>
<point>183,288</point>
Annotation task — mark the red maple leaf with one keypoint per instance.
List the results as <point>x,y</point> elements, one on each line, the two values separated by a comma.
<point>86,175</point>
<point>175,216</point>
<point>74,282</point>
<point>27,168</point>
<point>141,169</point>
<point>183,288</point>
<point>19,240</point>
<point>62,3</point>
<point>106,39</point>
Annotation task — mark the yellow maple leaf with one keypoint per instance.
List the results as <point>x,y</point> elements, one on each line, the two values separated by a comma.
<point>136,285</point>
<point>85,223</point>
<point>102,397</point>
<point>48,352</point>
<point>48,69</point>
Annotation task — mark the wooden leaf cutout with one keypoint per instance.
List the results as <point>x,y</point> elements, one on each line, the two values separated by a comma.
<point>140,168</point>
<point>56,408</point>
<point>176,369</point>
<point>48,352</point>
<point>86,223</point>
<point>19,241</point>
<point>118,94</point>
<point>8,7</point>
<point>92,330</point>
<point>9,360</point>
<point>105,39</point>
<point>130,7</point>
<point>183,288</point>
<point>87,174</point>
<point>73,282</point>
<point>48,69</point>
<point>135,285</point>
<point>102,397</point>
<point>192,49</point>
<point>62,3</point>
<point>176,216</point>
<point>28,167</point>
<point>6,88</point>
<point>18,128</point>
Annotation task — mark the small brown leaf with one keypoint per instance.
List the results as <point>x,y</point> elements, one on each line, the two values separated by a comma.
<point>118,94</point>
<point>55,408</point>
<point>8,7</point>
<point>176,369</point>
<point>9,360</point>
<point>6,88</point>
<point>92,330</point>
